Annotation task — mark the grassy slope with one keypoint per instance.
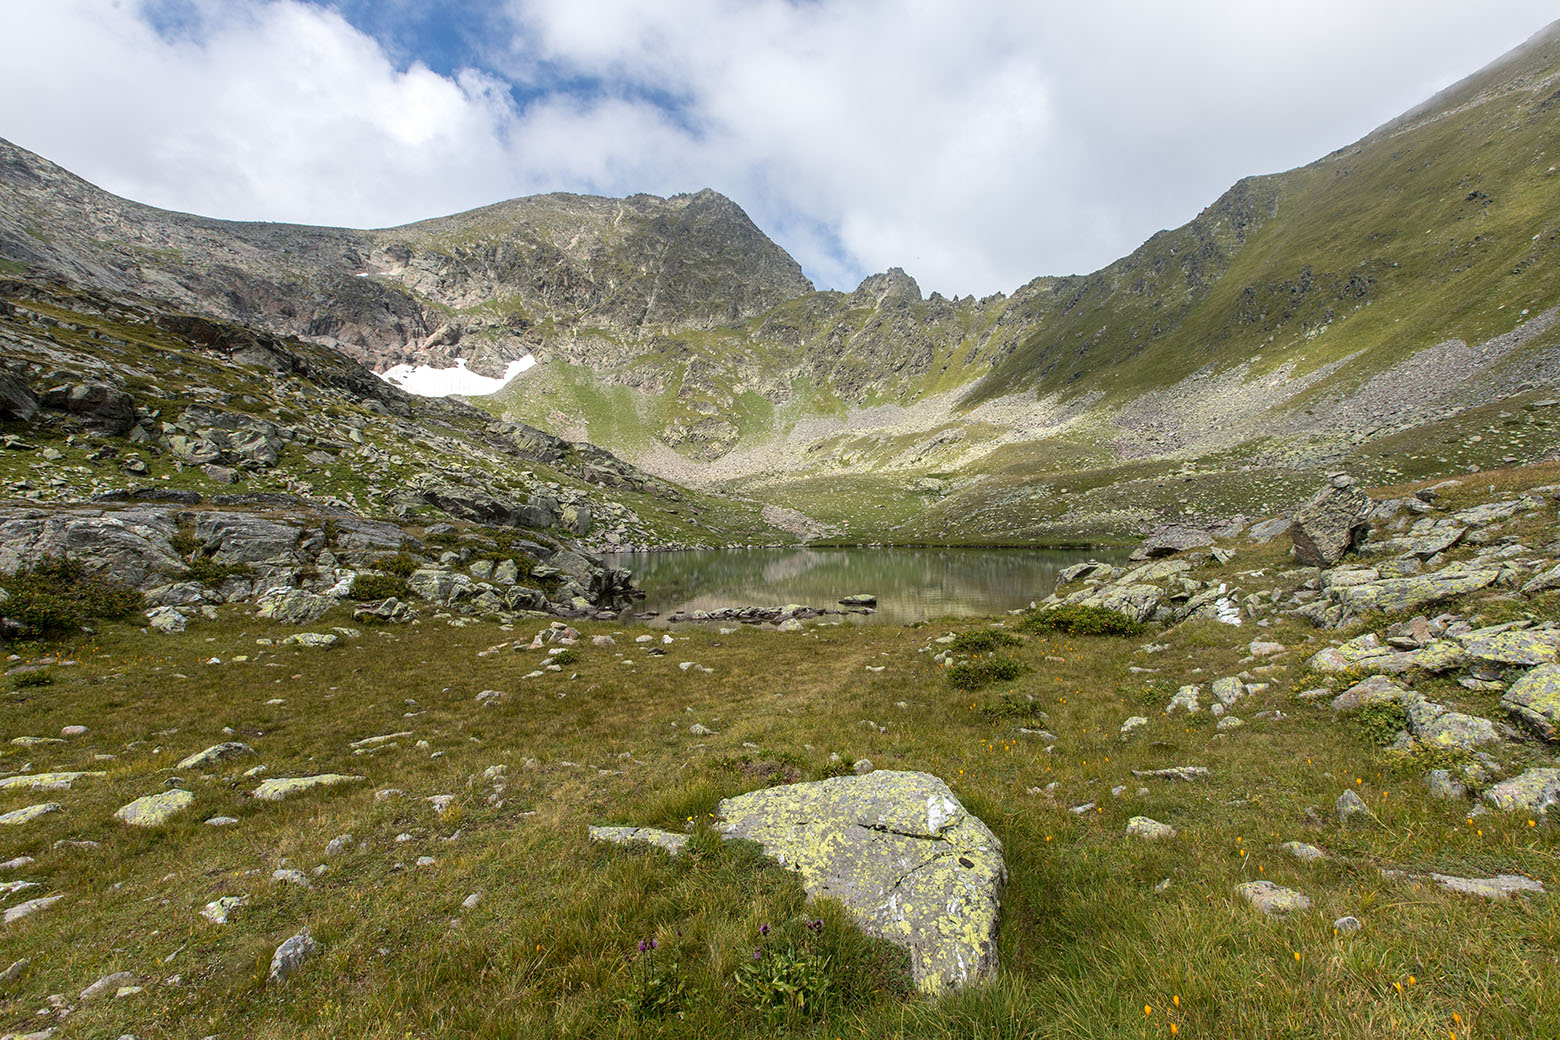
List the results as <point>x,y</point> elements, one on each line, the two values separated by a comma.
<point>1399,256</point>
<point>1089,938</point>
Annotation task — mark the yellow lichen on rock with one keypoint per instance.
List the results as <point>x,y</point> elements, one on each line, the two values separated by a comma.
<point>900,853</point>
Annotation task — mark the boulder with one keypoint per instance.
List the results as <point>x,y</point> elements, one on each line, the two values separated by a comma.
<point>1535,790</point>
<point>1171,541</point>
<point>106,410</point>
<point>293,606</point>
<point>154,810</point>
<point>29,813</point>
<point>1512,646</point>
<point>1378,689</point>
<point>247,538</point>
<point>130,546</point>
<point>223,752</point>
<point>167,620</point>
<point>1272,899</point>
<point>291,955</point>
<point>667,841</point>
<point>1143,827</point>
<point>1332,524</point>
<point>1453,729</point>
<point>278,788</point>
<point>899,851</point>
<point>1534,700</point>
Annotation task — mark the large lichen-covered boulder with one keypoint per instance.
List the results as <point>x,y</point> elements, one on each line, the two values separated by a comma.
<point>1332,524</point>
<point>1137,601</point>
<point>1535,700</point>
<point>1403,594</point>
<point>228,749</point>
<point>154,810</point>
<point>900,852</point>
<point>127,546</point>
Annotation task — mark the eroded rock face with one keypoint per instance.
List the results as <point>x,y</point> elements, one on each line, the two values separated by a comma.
<point>897,848</point>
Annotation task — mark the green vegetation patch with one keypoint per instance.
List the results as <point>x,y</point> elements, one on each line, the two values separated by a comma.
<point>1076,620</point>
<point>57,595</point>
<point>983,671</point>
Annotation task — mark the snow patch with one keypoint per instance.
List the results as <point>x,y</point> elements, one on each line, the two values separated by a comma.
<point>427,381</point>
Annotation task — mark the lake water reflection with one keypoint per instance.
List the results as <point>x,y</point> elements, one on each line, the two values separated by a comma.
<point>910,584</point>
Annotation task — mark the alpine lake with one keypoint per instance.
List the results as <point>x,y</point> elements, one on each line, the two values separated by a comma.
<point>910,584</point>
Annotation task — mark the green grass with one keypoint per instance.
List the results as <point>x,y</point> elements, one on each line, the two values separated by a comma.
<point>1094,927</point>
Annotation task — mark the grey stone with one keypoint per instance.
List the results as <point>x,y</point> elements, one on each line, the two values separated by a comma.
<point>291,955</point>
<point>293,606</point>
<point>1351,808</point>
<point>665,840</point>
<point>1185,699</point>
<point>167,620</point>
<point>1303,852</point>
<point>107,984</point>
<point>1143,827</point>
<point>226,751</point>
<point>1441,784</point>
<point>17,401</point>
<point>1501,886</point>
<point>1272,899</point>
<point>155,810</point>
<point>1346,925</point>
<point>1535,790</point>
<point>1534,700</point>
<point>1378,689</point>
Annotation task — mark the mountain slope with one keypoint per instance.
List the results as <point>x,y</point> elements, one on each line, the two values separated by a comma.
<point>1400,284</point>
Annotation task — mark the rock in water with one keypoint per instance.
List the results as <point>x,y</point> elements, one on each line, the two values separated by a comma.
<point>1332,524</point>
<point>900,852</point>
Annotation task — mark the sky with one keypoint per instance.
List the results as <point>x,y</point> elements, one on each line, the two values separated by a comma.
<point>976,144</point>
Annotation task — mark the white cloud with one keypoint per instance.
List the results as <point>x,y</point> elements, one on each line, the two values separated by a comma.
<point>975,145</point>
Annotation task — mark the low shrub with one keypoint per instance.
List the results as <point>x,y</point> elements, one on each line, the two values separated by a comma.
<point>983,671</point>
<point>56,595</point>
<point>1009,708</point>
<point>567,656</point>
<point>982,641</point>
<point>1076,620</point>
<point>1381,722</point>
<point>402,564</point>
<point>379,586</point>
<point>28,680</point>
